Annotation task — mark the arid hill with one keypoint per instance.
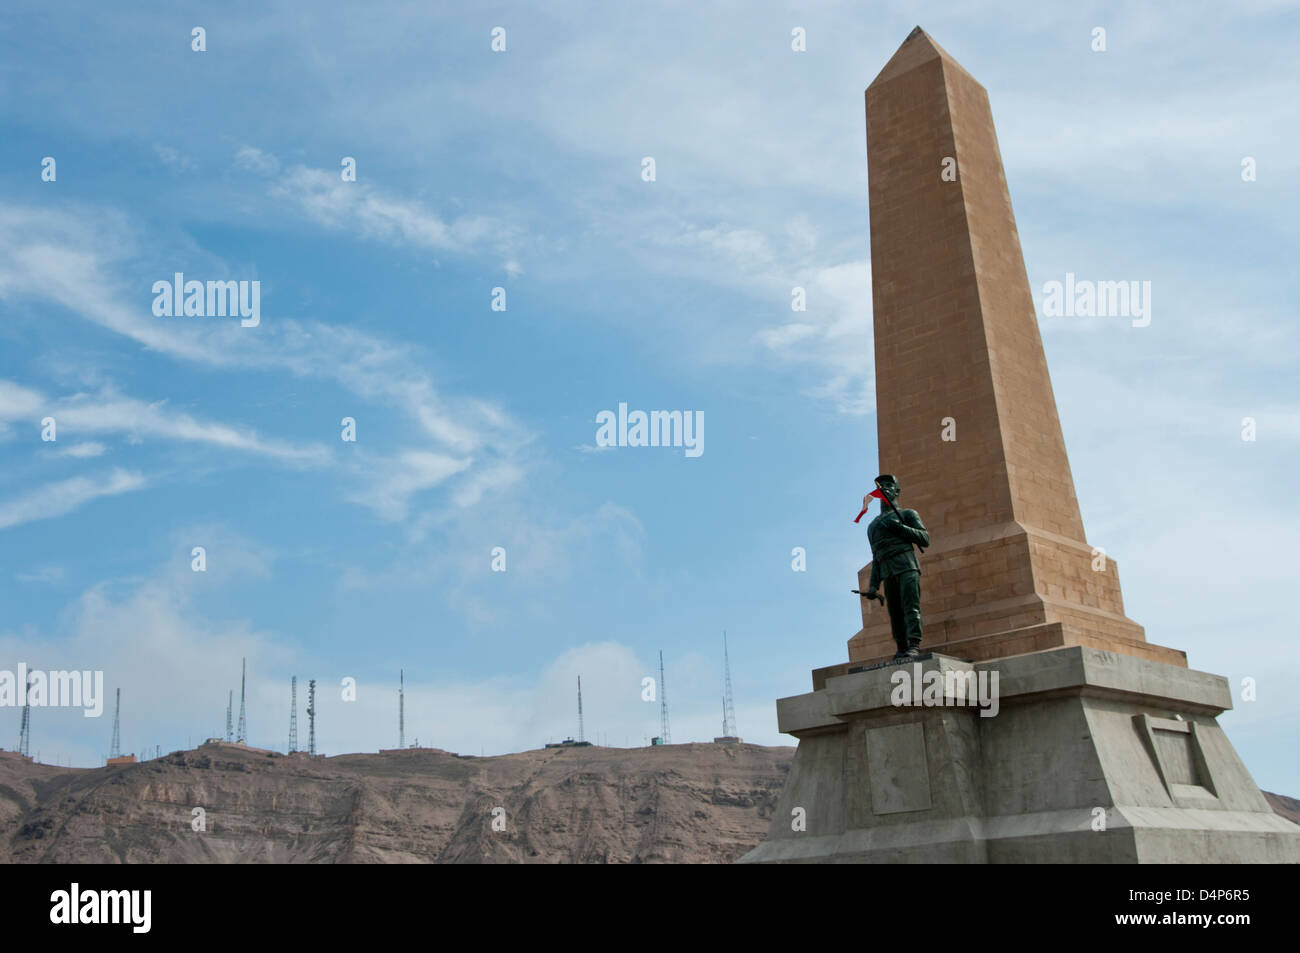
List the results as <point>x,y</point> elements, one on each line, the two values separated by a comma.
<point>693,803</point>
<point>1288,807</point>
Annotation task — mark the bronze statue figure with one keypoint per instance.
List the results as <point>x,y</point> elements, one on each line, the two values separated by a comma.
<point>892,535</point>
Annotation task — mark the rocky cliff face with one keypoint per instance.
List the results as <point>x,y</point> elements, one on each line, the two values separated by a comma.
<point>696,803</point>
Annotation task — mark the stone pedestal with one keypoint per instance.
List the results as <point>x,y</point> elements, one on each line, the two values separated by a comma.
<point>1082,756</point>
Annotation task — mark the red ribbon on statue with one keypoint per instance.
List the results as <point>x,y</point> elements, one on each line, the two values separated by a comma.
<point>878,495</point>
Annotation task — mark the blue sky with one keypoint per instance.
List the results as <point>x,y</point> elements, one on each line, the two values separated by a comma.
<point>476,428</point>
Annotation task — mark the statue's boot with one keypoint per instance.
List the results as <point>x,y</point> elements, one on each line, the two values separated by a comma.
<point>902,649</point>
<point>912,651</point>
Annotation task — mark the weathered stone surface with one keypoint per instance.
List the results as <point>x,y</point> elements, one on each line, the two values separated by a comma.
<point>1092,757</point>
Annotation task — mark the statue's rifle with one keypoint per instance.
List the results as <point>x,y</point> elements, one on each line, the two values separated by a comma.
<point>865,596</point>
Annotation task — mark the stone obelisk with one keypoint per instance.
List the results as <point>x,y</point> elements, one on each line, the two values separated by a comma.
<point>966,414</point>
<point>1043,727</point>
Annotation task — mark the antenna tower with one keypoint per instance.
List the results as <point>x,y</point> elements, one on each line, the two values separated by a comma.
<point>116,750</point>
<point>663,704</point>
<point>25,727</point>
<point>401,708</point>
<point>311,717</point>
<point>580,737</point>
<point>243,727</point>
<point>230,730</point>
<point>293,714</point>
<point>728,703</point>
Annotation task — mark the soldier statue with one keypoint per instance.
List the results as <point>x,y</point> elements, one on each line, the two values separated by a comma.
<point>893,564</point>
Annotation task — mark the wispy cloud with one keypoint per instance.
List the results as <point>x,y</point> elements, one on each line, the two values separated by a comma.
<point>18,402</point>
<point>58,258</point>
<point>108,412</point>
<point>834,334</point>
<point>46,574</point>
<point>395,480</point>
<point>146,639</point>
<point>252,159</point>
<point>84,451</point>
<point>173,157</point>
<point>64,496</point>
<point>370,213</point>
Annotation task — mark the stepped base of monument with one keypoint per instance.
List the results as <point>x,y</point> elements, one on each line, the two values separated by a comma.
<point>1030,638</point>
<point>1075,755</point>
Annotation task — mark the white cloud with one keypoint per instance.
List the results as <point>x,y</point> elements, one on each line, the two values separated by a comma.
<point>46,574</point>
<point>254,160</point>
<point>371,213</point>
<point>84,451</point>
<point>784,337</point>
<point>64,496</point>
<point>394,480</point>
<point>833,336</point>
<point>108,412</point>
<point>175,666</point>
<point>111,413</point>
<point>743,246</point>
<point>67,259</point>
<point>173,157</point>
<point>55,257</point>
<point>17,402</point>
<point>543,550</point>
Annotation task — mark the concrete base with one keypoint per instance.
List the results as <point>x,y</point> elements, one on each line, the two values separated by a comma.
<point>1078,755</point>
